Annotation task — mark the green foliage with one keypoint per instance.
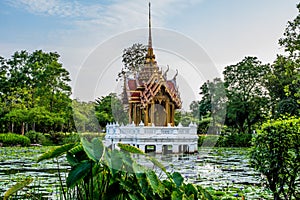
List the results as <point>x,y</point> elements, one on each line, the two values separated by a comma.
<point>84,116</point>
<point>101,173</point>
<point>78,173</point>
<point>130,149</point>
<point>283,87</point>
<point>203,125</point>
<point>275,153</point>
<point>18,186</point>
<point>133,58</point>
<point>212,106</point>
<point>110,109</point>
<point>56,152</point>
<point>207,140</point>
<point>225,140</point>
<point>56,138</point>
<point>235,140</point>
<point>35,92</point>
<point>291,39</point>
<point>11,139</point>
<point>94,150</point>
<point>71,138</point>
<point>247,97</point>
<point>36,137</point>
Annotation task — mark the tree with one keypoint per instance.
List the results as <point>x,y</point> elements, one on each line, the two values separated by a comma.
<point>275,153</point>
<point>32,80</point>
<point>17,117</point>
<point>205,102</point>
<point>133,58</point>
<point>282,86</point>
<point>212,106</point>
<point>291,39</point>
<point>247,96</point>
<point>109,109</point>
<point>84,116</point>
<point>283,80</point>
<point>218,104</point>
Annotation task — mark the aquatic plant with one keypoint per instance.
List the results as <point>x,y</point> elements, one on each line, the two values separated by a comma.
<point>100,173</point>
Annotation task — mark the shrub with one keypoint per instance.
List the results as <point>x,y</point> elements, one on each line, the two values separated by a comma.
<point>225,140</point>
<point>71,138</point>
<point>90,135</point>
<point>36,137</point>
<point>275,154</point>
<point>203,125</point>
<point>11,139</point>
<point>56,137</point>
<point>208,140</point>
<point>235,140</point>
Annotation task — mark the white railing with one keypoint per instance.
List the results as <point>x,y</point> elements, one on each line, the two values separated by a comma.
<point>131,129</point>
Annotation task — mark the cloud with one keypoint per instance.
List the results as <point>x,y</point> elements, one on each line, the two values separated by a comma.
<point>106,14</point>
<point>58,8</point>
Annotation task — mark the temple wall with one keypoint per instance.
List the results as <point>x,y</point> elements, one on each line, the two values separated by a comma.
<point>166,139</point>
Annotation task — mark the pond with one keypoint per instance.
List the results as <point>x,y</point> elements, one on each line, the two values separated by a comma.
<point>226,170</point>
<point>221,169</point>
<point>17,163</point>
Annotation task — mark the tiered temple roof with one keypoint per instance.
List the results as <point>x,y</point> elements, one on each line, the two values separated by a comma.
<point>151,96</point>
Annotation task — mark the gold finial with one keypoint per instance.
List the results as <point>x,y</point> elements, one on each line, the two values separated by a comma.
<point>150,38</point>
<point>150,57</point>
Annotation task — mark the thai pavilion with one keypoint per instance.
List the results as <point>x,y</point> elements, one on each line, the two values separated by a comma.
<point>152,100</point>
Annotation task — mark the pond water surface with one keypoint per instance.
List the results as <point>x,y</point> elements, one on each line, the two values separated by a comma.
<point>225,170</point>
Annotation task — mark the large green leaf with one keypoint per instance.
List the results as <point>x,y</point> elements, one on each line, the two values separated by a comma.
<point>143,183</point>
<point>78,173</point>
<point>130,149</point>
<point>18,186</point>
<point>71,159</point>
<point>177,178</point>
<point>116,161</point>
<point>136,196</point>
<point>158,164</point>
<point>78,148</point>
<point>203,193</point>
<point>155,183</point>
<point>55,152</point>
<point>176,195</point>
<point>190,189</point>
<point>94,150</point>
<point>128,162</point>
<point>137,169</point>
<point>114,191</point>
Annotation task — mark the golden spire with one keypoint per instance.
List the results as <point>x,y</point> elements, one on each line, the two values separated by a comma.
<point>150,57</point>
<point>150,38</point>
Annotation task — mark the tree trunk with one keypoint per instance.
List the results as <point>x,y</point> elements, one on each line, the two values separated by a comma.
<point>12,127</point>
<point>33,126</point>
<point>23,128</point>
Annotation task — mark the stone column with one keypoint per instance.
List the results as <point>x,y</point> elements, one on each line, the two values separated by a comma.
<point>173,114</point>
<point>158,148</point>
<point>152,112</point>
<point>134,114</point>
<point>130,113</point>
<point>142,147</point>
<point>168,112</point>
<point>175,148</point>
<point>146,115</point>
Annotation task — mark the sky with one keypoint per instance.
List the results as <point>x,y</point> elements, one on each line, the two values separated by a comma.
<point>196,37</point>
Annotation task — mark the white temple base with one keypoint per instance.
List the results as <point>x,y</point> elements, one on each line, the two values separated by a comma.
<point>160,139</point>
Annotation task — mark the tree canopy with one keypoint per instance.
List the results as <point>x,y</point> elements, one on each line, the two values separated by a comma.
<point>34,84</point>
